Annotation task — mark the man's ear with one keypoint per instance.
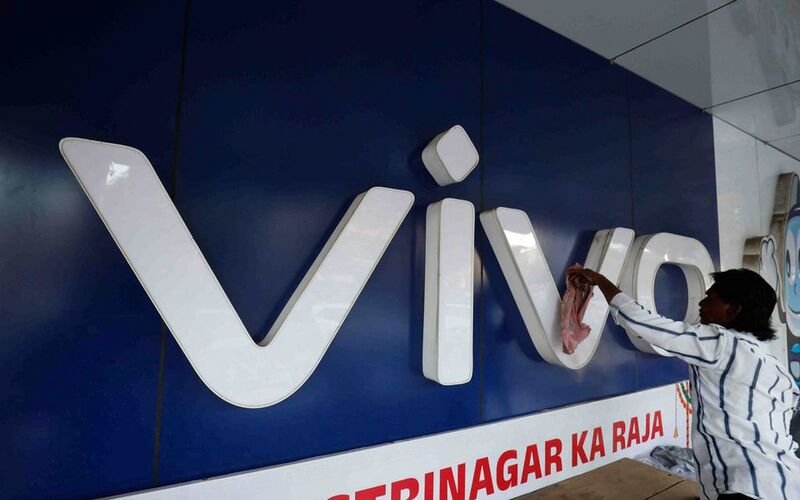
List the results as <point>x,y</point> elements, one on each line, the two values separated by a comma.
<point>733,311</point>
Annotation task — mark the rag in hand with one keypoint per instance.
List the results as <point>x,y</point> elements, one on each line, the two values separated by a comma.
<point>573,307</point>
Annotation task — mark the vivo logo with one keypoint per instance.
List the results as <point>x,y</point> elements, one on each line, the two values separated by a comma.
<point>130,199</point>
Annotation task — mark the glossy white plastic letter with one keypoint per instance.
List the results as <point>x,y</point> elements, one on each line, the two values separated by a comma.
<point>450,156</point>
<point>528,275</point>
<point>131,201</point>
<point>649,252</point>
<point>447,329</point>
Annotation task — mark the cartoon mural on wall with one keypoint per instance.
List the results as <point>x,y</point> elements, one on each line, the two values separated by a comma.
<point>776,257</point>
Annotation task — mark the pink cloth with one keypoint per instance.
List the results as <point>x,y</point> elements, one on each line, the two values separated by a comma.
<point>573,307</point>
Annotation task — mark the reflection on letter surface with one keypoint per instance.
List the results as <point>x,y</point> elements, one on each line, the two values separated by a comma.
<point>156,243</point>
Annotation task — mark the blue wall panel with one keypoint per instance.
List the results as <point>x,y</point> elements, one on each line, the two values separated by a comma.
<point>290,110</point>
<point>79,340</point>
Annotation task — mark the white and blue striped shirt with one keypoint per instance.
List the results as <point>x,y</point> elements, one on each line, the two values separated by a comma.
<point>743,401</point>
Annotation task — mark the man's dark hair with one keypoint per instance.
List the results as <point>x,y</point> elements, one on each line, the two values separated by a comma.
<point>748,290</point>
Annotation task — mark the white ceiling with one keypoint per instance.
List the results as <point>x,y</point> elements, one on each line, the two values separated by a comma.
<point>738,59</point>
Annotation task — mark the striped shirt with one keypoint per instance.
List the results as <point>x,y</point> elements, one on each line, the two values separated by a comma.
<point>743,400</point>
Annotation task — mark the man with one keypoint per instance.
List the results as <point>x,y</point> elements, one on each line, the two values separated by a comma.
<point>743,398</point>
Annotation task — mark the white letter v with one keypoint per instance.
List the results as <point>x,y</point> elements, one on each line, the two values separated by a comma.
<point>523,264</point>
<point>131,201</point>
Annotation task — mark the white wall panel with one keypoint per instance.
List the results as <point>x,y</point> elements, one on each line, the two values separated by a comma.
<point>769,116</point>
<point>790,145</point>
<point>612,27</point>
<point>738,210</point>
<point>743,48</point>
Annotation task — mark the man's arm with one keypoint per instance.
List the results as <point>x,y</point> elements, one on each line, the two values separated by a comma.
<point>605,285</point>
<point>700,345</point>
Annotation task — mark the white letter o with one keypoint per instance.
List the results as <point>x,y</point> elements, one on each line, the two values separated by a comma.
<point>649,252</point>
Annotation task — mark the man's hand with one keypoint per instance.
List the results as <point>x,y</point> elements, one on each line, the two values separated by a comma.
<point>608,288</point>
